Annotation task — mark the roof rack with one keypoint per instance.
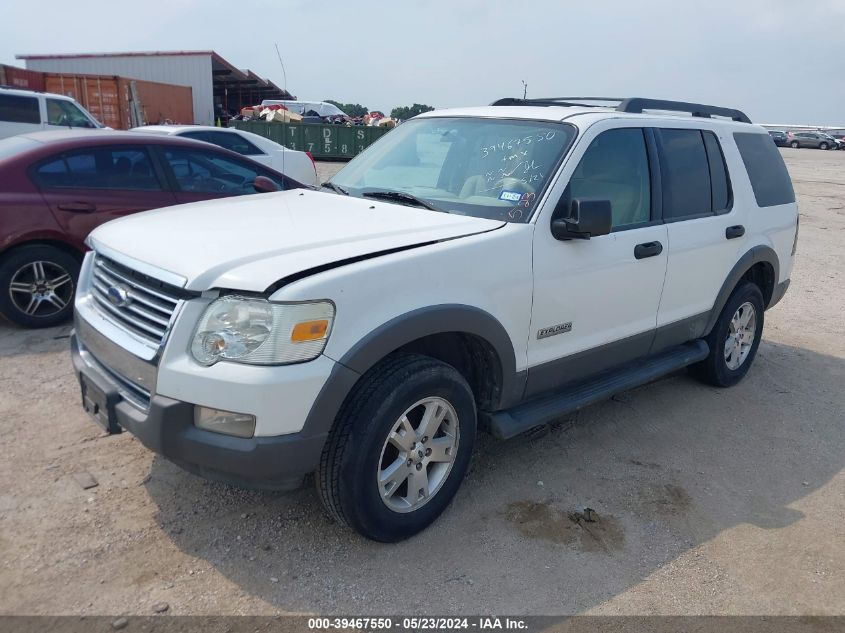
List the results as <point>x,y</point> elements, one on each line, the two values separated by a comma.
<point>632,105</point>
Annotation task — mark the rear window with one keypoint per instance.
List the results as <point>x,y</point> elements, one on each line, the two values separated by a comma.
<point>766,170</point>
<point>19,109</point>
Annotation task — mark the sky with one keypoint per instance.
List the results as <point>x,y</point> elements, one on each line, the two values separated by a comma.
<point>780,61</point>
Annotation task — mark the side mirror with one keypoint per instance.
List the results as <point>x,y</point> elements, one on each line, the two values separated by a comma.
<point>588,217</point>
<point>263,184</point>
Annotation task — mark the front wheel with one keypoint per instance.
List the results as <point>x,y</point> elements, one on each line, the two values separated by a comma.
<point>823,146</point>
<point>399,449</point>
<point>794,144</point>
<point>734,339</point>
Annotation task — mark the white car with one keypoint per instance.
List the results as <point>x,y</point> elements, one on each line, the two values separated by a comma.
<point>293,164</point>
<point>478,269</point>
<point>23,111</point>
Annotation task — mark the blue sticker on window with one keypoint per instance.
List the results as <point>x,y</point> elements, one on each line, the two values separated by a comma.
<point>510,196</point>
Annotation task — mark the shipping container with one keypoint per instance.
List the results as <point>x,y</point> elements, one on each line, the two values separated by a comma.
<point>21,78</point>
<point>122,103</point>
<point>322,140</point>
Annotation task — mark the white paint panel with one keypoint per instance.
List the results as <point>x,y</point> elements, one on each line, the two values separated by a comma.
<point>181,70</point>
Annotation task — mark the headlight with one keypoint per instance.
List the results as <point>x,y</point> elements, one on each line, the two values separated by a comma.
<point>258,332</point>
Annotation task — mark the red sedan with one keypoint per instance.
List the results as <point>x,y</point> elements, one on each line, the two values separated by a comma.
<point>55,187</point>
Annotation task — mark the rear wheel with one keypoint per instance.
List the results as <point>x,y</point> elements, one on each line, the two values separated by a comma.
<point>399,449</point>
<point>734,339</point>
<point>37,284</point>
<point>794,144</point>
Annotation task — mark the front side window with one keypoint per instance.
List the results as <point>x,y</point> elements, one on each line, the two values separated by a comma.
<point>487,168</point>
<point>19,109</point>
<point>66,113</point>
<point>201,171</point>
<point>615,168</point>
<point>124,168</point>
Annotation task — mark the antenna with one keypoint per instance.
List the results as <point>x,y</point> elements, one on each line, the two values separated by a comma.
<point>285,87</point>
<point>284,74</point>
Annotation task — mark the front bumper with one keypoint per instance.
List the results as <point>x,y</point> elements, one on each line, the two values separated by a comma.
<point>167,428</point>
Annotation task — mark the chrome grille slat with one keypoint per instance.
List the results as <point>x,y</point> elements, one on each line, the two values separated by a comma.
<point>153,303</point>
<point>104,303</point>
<point>133,282</point>
<point>146,312</point>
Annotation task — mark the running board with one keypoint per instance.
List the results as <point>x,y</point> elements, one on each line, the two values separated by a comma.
<point>545,409</point>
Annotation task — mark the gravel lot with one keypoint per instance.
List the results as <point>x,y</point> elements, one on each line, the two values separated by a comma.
<point>709,501</point>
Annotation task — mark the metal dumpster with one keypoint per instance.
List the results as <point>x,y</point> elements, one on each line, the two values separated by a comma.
<point>322,140</point>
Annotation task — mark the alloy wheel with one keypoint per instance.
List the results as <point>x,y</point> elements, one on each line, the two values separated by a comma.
<point>418,454</point>
<point>741,334</point>
<point>41,289</point>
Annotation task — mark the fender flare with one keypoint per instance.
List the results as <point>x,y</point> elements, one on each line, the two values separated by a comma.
<point>404,329</point>
<point>756,255</point>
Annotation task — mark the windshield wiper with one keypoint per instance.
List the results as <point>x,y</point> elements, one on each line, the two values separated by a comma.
<point>401,196</point>
<point>335,188</point>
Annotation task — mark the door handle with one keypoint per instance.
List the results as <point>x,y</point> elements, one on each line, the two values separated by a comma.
<point>649,249</point>
<point>78,207</point>
<point>733,232</point>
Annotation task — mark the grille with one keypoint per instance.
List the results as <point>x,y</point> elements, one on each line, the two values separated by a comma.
<point>144,307</point>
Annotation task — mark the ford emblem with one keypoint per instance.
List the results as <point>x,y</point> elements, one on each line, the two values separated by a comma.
<point>118,295</point>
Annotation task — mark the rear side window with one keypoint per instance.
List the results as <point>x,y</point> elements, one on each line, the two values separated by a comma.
<point>766,170</point>
<point>19,109</point>
<point>686,174</point>
<point>227,140</point>
<point>695,177</point>
<point>125,168</point>
<point>719,182</point>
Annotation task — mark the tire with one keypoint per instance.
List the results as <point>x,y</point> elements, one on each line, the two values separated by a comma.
<point>721,370</point>
<point>794,145</point>
<point>37,285</point>
<point>822,145</point>
<point>359,449</point>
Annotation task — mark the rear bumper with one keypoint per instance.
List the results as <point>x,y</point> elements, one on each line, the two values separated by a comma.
<point>167,428</point>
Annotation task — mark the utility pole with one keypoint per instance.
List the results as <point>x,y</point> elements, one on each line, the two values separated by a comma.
<point>524,89</point>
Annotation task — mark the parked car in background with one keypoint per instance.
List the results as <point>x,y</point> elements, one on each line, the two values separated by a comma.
<point>23,111</point>
<point>779,137</point>
<point>814,140</point>
<point>58,186</point>
<point>838,142</point>
<point>298,165</point>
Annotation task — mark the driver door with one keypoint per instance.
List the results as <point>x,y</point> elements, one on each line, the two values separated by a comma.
<point>595,300</point>
<point>204,174</point>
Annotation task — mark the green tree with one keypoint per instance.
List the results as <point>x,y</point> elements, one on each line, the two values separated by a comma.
<point>404,112</point>
<point>352,109</point>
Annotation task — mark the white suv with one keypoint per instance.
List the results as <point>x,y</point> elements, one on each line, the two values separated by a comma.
<point>487,268</point>
<point>23,111</point>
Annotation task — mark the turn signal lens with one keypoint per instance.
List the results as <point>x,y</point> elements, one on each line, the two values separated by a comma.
<point>309,331</point>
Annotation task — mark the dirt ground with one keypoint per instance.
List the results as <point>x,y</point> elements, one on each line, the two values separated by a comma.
<point>708,501</point>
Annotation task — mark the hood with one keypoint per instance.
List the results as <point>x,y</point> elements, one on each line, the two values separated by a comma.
<point>251,242</point>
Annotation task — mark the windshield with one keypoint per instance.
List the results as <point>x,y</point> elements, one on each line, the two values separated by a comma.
<point>487,168</point>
